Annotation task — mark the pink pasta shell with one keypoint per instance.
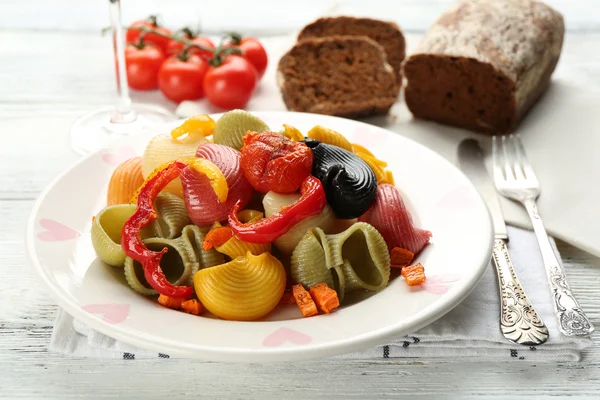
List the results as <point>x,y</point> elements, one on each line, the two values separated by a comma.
<point>391,218</point>
<point>201,202</point>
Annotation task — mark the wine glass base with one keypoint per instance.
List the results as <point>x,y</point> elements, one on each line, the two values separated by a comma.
<point>96,130</point>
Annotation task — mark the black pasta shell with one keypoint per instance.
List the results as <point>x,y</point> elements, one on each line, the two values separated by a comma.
<point>350,184</point>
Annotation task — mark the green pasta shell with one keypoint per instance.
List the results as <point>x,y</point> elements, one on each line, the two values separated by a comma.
<point>106,233</point>
<point>233,125</point>
<point>172,216</point>
<point>364,257</point>
<point>357,258</point>
<point>191,238</point>
<point>178,264</point>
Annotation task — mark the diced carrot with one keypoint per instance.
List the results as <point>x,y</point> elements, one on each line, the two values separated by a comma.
<point>304,301</point>
<point>414,274</point>
<point>401,257</point>
<point>217,237</point>
<point>170,302</point>
<point>325,297</point>
<point>287,298</point>
<point>192,306</point>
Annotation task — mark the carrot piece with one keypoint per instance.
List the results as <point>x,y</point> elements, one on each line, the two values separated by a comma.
<point>325,297</point>
<point>170,302</point>
<point>192,306</point>
<point>287,298</point>
<point>401,257</point>
<point>414,274</point>
<point>305,302</point>
<point>217,237</point>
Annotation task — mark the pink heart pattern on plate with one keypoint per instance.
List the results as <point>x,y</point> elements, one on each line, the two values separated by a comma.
<point>55,231</point>
<point>111,313</point>
<point>283,335</point>
<point>436,284</point>
<point>117,156</point>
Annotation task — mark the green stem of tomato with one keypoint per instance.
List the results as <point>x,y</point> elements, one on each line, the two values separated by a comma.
<point>172,37</point>
<point>218,53</point>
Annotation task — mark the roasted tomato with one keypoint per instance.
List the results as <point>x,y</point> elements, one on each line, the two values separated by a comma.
<point>271,161</point>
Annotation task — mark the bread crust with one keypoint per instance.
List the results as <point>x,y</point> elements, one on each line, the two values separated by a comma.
<point>514,44</point>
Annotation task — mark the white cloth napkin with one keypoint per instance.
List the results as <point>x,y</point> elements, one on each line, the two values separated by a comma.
<point>470,331</point>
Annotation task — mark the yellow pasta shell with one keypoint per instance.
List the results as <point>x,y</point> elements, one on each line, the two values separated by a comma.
<point>292,133</point>
<point>106,233</point>
<point>372,162</point>
<point>125,180</point>
<point>329,136</point>
<point>235,247</point>
<point>162,149</point>
<point>244,289</point>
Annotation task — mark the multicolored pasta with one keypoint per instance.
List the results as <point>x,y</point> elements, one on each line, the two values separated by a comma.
<point>178,265</point>
<point>202,204</point>
<point>392,219</point>
<point>233,125</point>
<point>326,220</point>
<point>244,289</point>
<point>172,216</point>
<point>329,136</point>
<point>349,182</point>
<point>125,180</point>
<point>185,256</point>
<point>162,149</point>
<point>186,220</point>
<point>357,258</point>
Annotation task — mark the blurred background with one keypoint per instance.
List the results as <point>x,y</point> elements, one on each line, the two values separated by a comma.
<point>257,17</point>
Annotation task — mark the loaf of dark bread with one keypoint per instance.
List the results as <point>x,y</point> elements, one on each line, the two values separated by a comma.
<point>484,63</point>
<point>387,34</point>
<point>346,76</point>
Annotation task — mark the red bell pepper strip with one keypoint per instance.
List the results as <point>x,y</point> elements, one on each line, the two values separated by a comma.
<point>132,244</point>
<point>266,230</point>
<point>131,241</point>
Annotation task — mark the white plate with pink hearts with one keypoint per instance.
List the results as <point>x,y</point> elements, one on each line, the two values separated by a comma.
<point>439,196</point>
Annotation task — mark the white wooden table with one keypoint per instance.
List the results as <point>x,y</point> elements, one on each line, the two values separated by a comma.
<point>49,78</point>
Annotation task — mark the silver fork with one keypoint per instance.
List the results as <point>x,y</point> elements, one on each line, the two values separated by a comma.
<point>516,180</point>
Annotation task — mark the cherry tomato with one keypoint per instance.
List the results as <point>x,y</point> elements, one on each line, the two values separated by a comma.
<point>255,53</point>
<point>182,80</point>
<point>176,47</point>
<point>143,66</point>
<point>133,36</point>
<point>230,85</point>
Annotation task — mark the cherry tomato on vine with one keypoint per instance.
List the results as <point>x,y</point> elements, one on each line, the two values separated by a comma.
<point>143,66</point>
<point>181,80</point>
<point>230,84</point>
<point>133,36</point>
<point>176,47</point>
<point>254,52</point>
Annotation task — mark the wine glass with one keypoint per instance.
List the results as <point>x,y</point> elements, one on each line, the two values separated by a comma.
<point>101,127</point>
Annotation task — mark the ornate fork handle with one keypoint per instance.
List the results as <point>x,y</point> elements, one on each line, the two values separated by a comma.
<point>519,320</point>
<point>572,320</point>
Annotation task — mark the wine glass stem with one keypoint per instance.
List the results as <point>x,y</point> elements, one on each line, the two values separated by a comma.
<point>124,112</point>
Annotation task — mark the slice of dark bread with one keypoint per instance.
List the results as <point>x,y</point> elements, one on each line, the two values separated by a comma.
<point>387,34</point>
<point>347,76</point>
<point>484,63</point>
